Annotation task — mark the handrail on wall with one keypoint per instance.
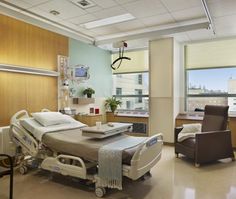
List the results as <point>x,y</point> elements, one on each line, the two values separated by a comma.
<point>27,70</point>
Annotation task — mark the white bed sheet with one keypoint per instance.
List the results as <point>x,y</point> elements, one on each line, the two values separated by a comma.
<point>38,130</point>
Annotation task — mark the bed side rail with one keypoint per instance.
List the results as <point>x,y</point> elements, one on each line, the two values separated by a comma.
<point>22,138</point>
<point>147,155</point>
<point>66,165</point>
<point>19,115</point>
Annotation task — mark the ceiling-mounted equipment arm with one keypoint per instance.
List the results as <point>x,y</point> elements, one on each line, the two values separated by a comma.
<point>121,45</point>
<point>119,59</point>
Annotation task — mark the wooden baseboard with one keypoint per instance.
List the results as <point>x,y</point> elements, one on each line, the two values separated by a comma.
<point>169,144</point>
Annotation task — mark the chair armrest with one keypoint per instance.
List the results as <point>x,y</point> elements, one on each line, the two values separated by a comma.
<point>177,131</point>
<point>213,145</point>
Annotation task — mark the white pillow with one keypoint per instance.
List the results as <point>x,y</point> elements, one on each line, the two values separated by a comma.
<point>191,128</point>
<point>50,118</point>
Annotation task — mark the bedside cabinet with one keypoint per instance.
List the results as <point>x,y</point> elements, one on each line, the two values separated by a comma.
<point>90,120</point>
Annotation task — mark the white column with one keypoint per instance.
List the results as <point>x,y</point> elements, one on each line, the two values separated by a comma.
<point>165,86</point>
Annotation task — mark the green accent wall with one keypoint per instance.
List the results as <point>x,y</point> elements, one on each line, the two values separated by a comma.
<point>99,62</point>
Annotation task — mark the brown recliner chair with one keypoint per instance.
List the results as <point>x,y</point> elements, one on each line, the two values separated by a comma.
<point>213,143</point>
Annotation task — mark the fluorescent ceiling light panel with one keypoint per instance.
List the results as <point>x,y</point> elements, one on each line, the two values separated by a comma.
<point>108,21</point>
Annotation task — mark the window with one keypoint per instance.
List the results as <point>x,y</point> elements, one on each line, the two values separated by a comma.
<point>118,91</point>
<point>139,92</point>
<point>140,78</point>
<point>132,93</point>
<point>216,86</point>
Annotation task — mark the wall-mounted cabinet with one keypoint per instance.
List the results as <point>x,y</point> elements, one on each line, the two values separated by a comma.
<point>83,100</point>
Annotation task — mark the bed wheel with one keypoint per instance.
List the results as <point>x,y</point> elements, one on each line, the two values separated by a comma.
<point>146,176</point>
<point>100,192</point>
<point>23,170</point>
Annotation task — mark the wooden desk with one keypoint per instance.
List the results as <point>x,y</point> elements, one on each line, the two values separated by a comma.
<point>90,120</point>
<point>191,118</point>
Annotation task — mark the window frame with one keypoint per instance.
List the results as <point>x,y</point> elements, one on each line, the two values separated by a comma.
<point>202,95</point>
<point>133,96</point>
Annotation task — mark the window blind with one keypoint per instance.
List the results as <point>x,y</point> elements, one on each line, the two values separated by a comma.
<point>138,62</point>
<point>211,54</point>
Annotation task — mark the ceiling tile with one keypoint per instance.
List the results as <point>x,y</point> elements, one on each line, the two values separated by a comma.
<point>145,8</point>
<point>123,2</point>
<point>157,20</point>
<point>129,25</point>
<point>173,5</point>
<point>45,14</point>
<point>114,11</point>
<point>222,8</point>
<point>94,9</point>
<point>82,19</point>
<point>21,4</point>
<point>188,14</point>
<point>35,2</point>
<point>105,30</point>
<point>105,3</point>
<point>66,8</point>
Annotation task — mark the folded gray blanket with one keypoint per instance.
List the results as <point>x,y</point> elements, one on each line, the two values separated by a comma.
<point>110,161</point>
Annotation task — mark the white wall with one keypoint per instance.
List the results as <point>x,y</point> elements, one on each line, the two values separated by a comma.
<point>166,86</point>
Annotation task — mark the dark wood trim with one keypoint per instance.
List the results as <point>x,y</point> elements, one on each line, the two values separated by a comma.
<point>169,143</point>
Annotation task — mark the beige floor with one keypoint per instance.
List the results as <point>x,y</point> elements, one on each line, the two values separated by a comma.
<point>171,179</point>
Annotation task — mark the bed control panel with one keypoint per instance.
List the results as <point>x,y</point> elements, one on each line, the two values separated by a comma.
<point>151,142</point>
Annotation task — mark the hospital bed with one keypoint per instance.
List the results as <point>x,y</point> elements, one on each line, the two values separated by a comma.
<point>69,153</point>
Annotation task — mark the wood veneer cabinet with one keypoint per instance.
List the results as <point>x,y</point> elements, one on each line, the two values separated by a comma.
<point>90,120</point>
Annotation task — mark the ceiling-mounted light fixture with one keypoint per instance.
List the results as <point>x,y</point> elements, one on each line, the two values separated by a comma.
<point>117,63</point>
<point>108,21</point>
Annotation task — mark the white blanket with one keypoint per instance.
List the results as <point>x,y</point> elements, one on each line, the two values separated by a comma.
<point>110,161</point>
<point>189,131</point>
<point>38,130</point>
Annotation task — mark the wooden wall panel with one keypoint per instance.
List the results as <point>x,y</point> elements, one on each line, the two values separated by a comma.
<point>29,92</point>
<point>27,45</point>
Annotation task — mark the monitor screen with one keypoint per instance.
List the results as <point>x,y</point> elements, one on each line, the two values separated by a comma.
<point>80,72</point>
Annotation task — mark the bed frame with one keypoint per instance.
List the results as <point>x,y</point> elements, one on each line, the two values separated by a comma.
<point>146,156</point>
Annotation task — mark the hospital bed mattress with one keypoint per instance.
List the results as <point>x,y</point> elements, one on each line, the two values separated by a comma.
<point>73,143</point>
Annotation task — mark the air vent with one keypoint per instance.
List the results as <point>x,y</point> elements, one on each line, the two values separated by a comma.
<point>54,12</point>
<point>83,3</point>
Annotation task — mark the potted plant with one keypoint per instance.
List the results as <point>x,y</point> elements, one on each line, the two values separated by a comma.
<point>88,92</point>
<point>112,103</point>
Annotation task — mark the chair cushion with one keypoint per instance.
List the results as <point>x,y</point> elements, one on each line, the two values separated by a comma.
<point>190,142</point>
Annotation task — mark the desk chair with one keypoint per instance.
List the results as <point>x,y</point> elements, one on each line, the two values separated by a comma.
<point>7,171</point>
<point>214,141</point>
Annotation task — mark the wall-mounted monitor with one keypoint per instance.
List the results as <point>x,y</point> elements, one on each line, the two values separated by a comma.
<point>81,72</point>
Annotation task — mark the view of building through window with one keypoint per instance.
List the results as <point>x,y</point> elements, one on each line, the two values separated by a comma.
<point>215,86</point>
<point>132,90</point>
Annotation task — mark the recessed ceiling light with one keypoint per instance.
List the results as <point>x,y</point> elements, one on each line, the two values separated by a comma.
<point>54,12</point>
<point>108,21</point>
